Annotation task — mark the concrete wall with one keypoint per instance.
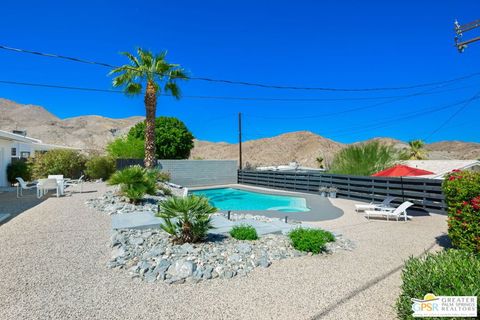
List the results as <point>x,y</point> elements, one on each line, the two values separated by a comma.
<point>195,173</point>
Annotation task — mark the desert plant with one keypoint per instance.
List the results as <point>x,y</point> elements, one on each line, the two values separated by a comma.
<point>154,71</point>
<point>186,219</point>
<point>163,176</point>
<point>244,232</point>
<point>126,148</point>
<point>18,168</point>
<point>135,182</point>
<point>415,151</point>
<point>364,159</point>
<point>448,273</point>
<point>100,167</point>
<point>320,162</point>
<point>173,140</point>
<point>462,196</point>
<point>69,163</point>
<point>310,240</point>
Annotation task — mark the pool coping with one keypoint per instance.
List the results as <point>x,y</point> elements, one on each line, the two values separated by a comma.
<point>321,208</point>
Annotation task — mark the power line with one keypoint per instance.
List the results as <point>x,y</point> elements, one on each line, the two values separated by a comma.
<point>323,115</point>
<point>233,98</point>
<point>466,104</point>
<point>245,83</point>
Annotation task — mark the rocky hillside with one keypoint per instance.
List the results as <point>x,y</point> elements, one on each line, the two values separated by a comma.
<point>303,147</point>
<point>93,132</point>
<point>86,132</point>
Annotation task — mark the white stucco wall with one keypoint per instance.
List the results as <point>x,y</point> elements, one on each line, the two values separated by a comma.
<point>4,161</point>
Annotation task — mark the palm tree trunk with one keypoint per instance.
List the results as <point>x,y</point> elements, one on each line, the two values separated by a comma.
<point>151,108</point>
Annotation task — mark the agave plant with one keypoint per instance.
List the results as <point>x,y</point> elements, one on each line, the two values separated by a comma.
<point>186,219</point>
<point>135,182</point>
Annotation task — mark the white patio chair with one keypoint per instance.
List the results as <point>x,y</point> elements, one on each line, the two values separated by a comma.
<point>22,185</point>
<point>44,185</point>
<point>375,206</point>
<point>399,212</point>
<point>75,182</point>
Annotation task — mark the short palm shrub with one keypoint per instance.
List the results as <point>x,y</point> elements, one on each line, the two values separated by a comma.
<point>18,168</point>
<point>462,195</point>
<point>244,232</point>
<point>100,167</point>
<point>186,219</point>
<point>69,163</point>
<point>310,240</point>
<point>448,273</point>
<point>135,182</point>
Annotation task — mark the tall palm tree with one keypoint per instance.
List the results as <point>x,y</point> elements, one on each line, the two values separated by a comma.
<point>157,74</point>
<point>416,151</point>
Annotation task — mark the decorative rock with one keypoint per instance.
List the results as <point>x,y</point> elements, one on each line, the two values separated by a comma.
<point>181,269</point>
<point>243,248</point>
<point>149,255</point>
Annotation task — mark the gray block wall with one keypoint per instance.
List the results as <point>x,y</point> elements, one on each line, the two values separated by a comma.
<point>196,173</point>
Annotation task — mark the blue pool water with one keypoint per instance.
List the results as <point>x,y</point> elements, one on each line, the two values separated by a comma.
<point>236,199</point>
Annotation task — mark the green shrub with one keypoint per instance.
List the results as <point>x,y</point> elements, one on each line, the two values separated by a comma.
<point>173,140</point>
<point>310,240</point>
<point>18,168</point>
<point>462,195</point>
<point>186,219</point>
<point>100,167</point>
<point>163,176</point>
<point>135,182</point>
<point>69,163</point>
<point>244,232</point>
<point>126,148</point>
<point>364,159</point>
<point>448,273</point>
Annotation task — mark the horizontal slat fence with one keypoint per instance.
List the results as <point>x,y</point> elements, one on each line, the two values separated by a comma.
<point>424,193</point>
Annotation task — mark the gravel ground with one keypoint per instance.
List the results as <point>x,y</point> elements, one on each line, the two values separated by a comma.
<point>53,266</point>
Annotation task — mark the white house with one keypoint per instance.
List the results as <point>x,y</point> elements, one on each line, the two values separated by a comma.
<point>441,167</point>
<point>15,146</point>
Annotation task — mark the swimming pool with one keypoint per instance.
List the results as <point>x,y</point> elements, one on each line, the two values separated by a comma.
<point>237,199</point>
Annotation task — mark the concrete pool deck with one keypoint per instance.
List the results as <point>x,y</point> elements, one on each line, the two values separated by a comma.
<point>53,260</point>
<point>321,208</point>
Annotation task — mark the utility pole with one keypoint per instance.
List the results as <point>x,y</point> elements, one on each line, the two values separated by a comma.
<point>240,140</point>
<point>460,30</point>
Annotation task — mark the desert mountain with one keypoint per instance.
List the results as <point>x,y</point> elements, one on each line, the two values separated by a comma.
<point>85,132</point>
<point>93,133</point>
<point>303,147</point>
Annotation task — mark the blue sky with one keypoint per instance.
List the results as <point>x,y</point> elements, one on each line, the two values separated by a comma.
<point>347,44</point>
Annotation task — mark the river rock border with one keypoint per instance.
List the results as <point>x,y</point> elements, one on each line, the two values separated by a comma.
<point>148,254</point>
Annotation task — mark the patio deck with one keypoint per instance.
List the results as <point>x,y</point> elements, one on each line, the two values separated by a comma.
<point>53,265</point>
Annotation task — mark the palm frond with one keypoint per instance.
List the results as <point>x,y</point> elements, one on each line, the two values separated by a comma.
<point>132,58</point>
<point>133,88</point>
<point>174,89</point>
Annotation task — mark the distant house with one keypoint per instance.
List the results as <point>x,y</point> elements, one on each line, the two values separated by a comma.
<point>16,145</point>
<point>441,167</point>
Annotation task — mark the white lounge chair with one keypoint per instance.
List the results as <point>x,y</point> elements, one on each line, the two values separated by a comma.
<point>75,182</point>
<point>373,206</point>
<point>399,212</point>
<point>22,185</point>
<point>44,185</point>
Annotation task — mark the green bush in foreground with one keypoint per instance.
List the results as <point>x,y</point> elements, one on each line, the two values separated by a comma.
<point>186,219</point>
<point>448,273</point>
<point>20,169</point>
<point>135,182</point>
<point>244,232</point>
<point>310,240</point>
<point>100,167</point>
